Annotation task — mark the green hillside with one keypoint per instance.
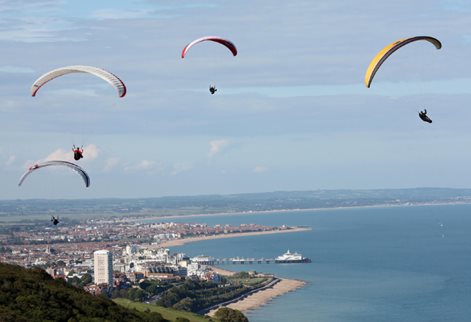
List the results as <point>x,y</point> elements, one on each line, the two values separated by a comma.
<point>168,313</point>
<point>32,295</point>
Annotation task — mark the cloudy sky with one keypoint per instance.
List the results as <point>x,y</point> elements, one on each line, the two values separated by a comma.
<point>291,111</point>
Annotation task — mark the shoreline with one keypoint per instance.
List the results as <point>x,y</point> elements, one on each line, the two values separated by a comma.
<point>274,211</point>
<point>136,217</point>
<point>262,297</point>
<point>183,241</point>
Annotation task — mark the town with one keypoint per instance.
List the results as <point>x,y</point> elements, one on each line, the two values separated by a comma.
<point>124,258</point>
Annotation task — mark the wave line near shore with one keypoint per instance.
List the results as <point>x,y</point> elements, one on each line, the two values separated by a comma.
<point>183,241</point>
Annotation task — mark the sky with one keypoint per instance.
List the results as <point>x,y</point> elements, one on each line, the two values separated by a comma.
<point>291,111</point>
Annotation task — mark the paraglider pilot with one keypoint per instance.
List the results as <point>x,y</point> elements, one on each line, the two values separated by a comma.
<point>423,116</point>
<point>78,152</point>
<point>55,220</point>
<point>212,89</point>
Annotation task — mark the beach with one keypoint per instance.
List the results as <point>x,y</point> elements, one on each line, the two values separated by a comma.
<point>183,241</point>
<point>258,298</point>
<point>261,297</point>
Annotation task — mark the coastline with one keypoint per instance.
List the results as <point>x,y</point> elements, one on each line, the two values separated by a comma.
<point>258,298</point>
<point>262,297</point>
<point>183,241</point>
<point>281,211</point>
<point>146,216</point>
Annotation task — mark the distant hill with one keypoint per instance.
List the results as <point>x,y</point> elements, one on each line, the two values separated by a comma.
<point>32,295</point>
<point>206,204</point>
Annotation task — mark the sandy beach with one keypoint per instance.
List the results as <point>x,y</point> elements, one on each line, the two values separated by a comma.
<point>262,297</point>
<point>183,241</point>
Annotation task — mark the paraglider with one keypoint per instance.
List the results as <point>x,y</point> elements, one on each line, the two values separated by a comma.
<point>78,152</point>
<point>212,89</point>
<point>70,165</point>
<point>219,40</point>
<point>112,79</point>
<point>387,51</point>
<point>55,220</point>
<point>230,45</point>
<point>423,116</point>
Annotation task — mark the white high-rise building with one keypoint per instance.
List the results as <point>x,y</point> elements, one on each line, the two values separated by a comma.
<point>103,267</point>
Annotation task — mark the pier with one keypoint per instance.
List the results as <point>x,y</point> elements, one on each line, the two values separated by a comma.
<point>207,260</point>
<point>242,261</point>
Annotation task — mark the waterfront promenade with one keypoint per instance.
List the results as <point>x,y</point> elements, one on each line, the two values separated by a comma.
<point>258,297</point>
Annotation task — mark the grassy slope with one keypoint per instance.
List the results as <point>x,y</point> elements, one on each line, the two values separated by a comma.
<point>32,295</point>
<point>167,313</point>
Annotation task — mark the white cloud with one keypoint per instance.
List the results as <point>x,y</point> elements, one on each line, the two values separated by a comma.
<point>146,165</point>
<point>10,160</point>
<point>149,166</point>
<point>90,152</point>
<point>110,164</point>
<point>216,146</point>
<point>180,167</point>
<point>158,10</point>
<point>22,5</point>
<point>35,21</point>
<point>60,154</point>
<point>260,169</point>
<point>38,30</point>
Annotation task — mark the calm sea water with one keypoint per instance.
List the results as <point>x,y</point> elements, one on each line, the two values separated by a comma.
<point>377,264</point>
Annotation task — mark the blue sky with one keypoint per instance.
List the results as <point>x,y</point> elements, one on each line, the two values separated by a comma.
<point>291,112</point>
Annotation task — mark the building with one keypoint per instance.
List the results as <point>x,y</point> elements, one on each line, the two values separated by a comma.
<point>203,260</point>
<point>103,267</point>
<point>135,276</point>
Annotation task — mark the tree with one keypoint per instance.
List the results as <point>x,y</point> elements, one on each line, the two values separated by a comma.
<point>86,279</point>
<point>242,275</point>
<point>145,284</point>
<point>226,314</point>
<point>180,319</point>
<point>60,263</point>
<point>33,295</point>
<point>186,304</point>
<point>75,281</point>
<point>137,295</point>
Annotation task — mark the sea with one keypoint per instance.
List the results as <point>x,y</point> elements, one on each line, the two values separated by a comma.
<point>368,264</point>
